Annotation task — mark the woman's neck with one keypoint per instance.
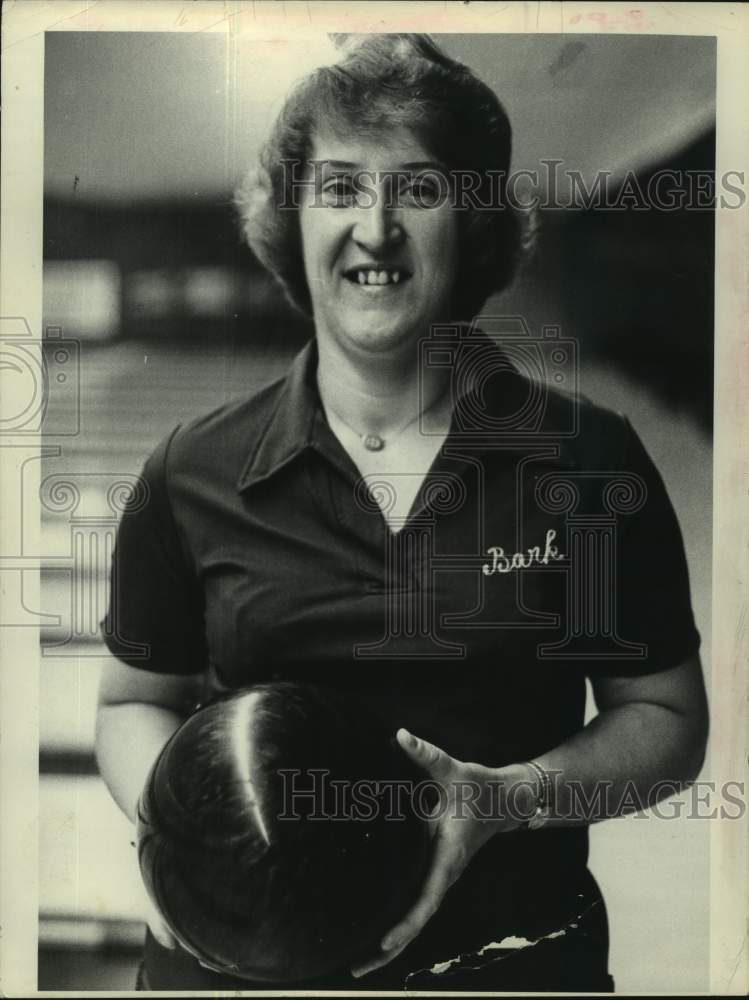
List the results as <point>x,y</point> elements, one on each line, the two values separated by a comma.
<point>378,396</point>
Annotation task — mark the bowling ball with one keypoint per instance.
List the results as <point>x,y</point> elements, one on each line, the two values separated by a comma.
<point>279,835</point>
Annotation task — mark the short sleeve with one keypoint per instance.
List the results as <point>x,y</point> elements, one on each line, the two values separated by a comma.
<point>155,619</point>
<point>651,578</point>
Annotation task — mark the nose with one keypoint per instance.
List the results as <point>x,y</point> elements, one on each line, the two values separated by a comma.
<point>377,228</point>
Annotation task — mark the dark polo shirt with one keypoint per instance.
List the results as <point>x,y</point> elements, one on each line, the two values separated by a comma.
<point>541,548</point>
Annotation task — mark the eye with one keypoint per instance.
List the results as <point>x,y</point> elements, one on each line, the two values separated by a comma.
<point>423,191</point>
<point>338,192</point>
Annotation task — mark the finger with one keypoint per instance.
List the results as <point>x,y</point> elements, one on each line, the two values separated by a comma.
<point>161,932</point>
<point>428,756</point>
<point>443,872</point>
<point>445,869</point>
<point>440,878</point>
<point>377,963</point>
<point>159,928</point>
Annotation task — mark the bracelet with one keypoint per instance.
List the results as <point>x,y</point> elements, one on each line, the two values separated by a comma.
<point>543,805</point>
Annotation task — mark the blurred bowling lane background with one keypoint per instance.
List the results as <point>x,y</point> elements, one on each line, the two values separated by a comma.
<point>155,312</point>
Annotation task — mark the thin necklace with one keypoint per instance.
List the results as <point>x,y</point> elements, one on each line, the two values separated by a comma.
<point>376,442</point>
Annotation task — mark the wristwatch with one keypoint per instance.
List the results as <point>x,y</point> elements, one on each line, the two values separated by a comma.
<point>542,812</point>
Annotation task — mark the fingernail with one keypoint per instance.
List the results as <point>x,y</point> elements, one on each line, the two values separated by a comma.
<point>410,739</point>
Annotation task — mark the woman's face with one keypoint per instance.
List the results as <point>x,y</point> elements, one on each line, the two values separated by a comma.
<point>380,269</point>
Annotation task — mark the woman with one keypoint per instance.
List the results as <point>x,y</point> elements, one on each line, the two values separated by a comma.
<point>386,519</point>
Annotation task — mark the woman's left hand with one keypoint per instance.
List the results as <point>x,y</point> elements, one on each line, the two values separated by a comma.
<point>472,809</point>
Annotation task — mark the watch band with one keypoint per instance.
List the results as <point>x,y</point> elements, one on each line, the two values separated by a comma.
<point>542,812</point>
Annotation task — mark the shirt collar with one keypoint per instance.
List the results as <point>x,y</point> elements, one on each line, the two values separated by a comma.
<point>289,428</point>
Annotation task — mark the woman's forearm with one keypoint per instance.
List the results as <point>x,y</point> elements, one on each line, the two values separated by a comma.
<point>129,738</point>
<point>629,757</point>
<point>647,742</point>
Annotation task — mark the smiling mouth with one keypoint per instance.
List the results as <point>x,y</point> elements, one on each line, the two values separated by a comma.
<point>376,277</point>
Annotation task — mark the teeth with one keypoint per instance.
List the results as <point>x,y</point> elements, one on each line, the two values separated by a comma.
<point>378,277</point>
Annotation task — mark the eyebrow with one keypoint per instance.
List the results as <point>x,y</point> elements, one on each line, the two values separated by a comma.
<point>415,165</point>
<point>425,165</point>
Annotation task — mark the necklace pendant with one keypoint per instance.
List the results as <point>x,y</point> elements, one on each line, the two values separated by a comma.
<point>373,442</point>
